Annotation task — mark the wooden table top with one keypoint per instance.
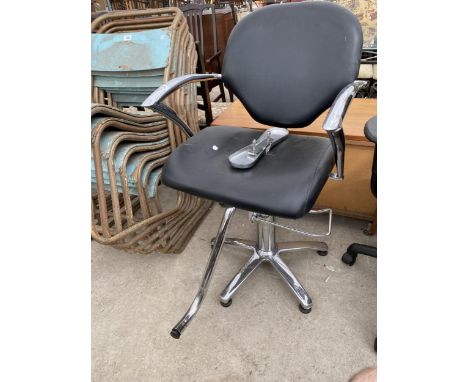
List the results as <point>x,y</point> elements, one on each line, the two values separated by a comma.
<point>359,112</point>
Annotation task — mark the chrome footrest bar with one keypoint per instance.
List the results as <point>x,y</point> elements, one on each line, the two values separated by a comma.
<point>259,218</point>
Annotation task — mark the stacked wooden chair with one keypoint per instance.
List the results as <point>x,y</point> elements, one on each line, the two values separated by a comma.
<point>133,53</point>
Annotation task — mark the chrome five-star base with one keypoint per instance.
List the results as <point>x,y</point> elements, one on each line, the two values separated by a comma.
<point>265,249</point>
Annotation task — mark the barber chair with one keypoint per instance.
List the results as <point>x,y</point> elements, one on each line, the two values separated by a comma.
<point>287,64</point>
<point>355,249</point>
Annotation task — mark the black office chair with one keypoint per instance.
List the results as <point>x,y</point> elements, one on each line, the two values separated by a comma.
<point>287,64</point>
<point>370,130</point>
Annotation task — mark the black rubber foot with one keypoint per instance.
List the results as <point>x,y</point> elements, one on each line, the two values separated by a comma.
<point>226,304</point>
<point>322,253</point>
<point>175,334</point>
<point>375,344</point>
<point>348,259</point>
<point>304,310</point>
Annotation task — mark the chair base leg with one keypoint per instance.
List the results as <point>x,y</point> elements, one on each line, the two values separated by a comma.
<point>279,265</point>
<point>267,250</point>
<point>246,244</point>
<point>248,268</point>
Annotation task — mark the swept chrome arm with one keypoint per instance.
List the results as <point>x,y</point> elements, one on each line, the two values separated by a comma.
<point>164,90</point>
<point>154,100</point>
<point>333,124</point>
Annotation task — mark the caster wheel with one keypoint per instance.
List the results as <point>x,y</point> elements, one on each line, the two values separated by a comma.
<point>304,310</point>
<point>322,253</point>
<point>367,230</point>
<point>226,304</point>
<point>348,259</point>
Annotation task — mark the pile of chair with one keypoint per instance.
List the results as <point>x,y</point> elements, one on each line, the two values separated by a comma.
<point>133,53</point>
<point>129,66</point>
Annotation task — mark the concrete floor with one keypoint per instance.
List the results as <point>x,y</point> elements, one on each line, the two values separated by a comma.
<point>136,300</point>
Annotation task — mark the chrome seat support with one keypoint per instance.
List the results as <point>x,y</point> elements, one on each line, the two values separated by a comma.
<point>265,249</point>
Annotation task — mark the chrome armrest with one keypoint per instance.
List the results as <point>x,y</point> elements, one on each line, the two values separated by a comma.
<point>154,100</point>
<point>333,124</point>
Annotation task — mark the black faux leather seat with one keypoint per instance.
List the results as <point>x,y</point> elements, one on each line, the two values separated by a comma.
<point>303,163</point>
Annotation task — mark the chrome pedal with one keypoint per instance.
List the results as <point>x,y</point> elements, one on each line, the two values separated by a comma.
<point>247,156</point>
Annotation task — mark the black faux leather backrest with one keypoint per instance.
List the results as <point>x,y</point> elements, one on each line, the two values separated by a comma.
<point>287,62</point>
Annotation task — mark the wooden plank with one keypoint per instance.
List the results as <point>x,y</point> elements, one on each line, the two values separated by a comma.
<point>360,110</point>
